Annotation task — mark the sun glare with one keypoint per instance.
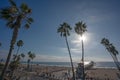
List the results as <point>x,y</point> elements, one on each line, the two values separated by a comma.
<point>78,38</point>
<point>84,38</point>
<point>86,62</point>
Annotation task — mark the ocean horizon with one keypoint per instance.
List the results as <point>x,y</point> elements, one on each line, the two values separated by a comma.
<point>68,64</point>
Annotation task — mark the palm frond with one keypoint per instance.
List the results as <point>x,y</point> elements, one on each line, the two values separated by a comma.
<point>109,46</point>
<point>64,29</point>
<point>29,20</point>
<point>6,16</point>
<point>22,55</point>
<point>4,11</point>
<point>80,28</point>
<point>24,8</point>
<point>27,26</point>
<point>20,43</point>
<point>29,52</point>
<point>10,24</point>
<point>12,2</point>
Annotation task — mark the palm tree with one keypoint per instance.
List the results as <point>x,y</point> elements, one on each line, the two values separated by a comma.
<point>19,44</point>
<point>22,55</point>
<point>31,57</point>
<point>112,50</point>
<point>80,29</point>
<point>14,16</point>
<point>64,31</point>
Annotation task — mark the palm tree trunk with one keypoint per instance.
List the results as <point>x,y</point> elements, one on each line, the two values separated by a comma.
<point>115,61</point>
<point>70,58</point>
<point>14,37</point>
<point>83,60</point>
<point>14,60</point>
<point>15,33</point>
<point>28,65</point>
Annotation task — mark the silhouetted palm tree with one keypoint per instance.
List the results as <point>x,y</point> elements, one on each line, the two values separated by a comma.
<point>22,55</point>
<point>80,29</point>
<point>19,44</point>
<point>31,57</point>
<point>112,50</point>
<point>14,16</point>
<point>64,31</point>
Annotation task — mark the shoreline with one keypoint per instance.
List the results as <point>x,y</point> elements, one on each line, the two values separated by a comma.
<point>40,72</point>
<point>55,72</point>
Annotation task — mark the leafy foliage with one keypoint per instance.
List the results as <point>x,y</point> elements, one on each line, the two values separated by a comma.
<point>20,43</point>
<point>112,50</point>
<point>22,55</point>
<point>109,46</point>
<point>14,17</point>
<point>12,2</point>
<point>80,28</point>
<point>64,29</point>
<point>31,55</point>
<point>14,64</point>
<point>10,14</point>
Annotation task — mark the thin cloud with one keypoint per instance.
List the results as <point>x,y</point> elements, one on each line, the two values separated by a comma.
<point>48,58</point>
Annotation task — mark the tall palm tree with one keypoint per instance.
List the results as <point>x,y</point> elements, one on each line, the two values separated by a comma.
<point>19,44</point>
<point>31,57</point>
<point>14,16</point>
<point>64,31</point>
<point>112,50</point>
<point>80,29</point>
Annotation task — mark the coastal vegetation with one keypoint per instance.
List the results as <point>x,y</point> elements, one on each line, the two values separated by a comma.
<point>31,56</point>
<point>112,50</point>
<point>64,31</point>
<point>15,17</point>
<point>14,64</point>
<point>19,44</point>
<point>18,16</point>
<point>80,29</point>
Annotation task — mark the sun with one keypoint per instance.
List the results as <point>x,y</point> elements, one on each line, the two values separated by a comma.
<point>84,38</point>
<point>77,39</point>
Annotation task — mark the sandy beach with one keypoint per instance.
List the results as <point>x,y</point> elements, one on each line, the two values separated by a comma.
<point>102,74</point>
<point>40,72</point>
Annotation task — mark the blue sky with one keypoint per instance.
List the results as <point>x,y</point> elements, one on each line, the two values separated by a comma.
<point>102,18</point>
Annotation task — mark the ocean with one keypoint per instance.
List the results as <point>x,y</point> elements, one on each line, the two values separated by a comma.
<point>67,64</point>
<point>105,65</point>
